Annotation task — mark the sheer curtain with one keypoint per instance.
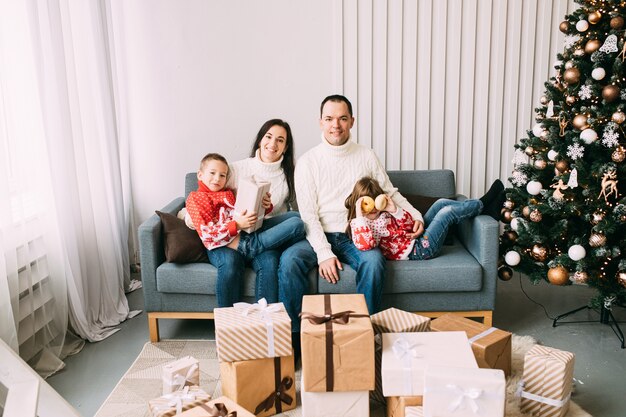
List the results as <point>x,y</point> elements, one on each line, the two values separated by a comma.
<point>64,194</point>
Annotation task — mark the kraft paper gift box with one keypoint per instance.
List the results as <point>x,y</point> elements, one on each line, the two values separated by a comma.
<point>181,373</point>
<point>393,320</point>
<point>252,331</point>
<point>399,406</point>
<point>262,386</point>
<point>250,192</point>
<point>407,355</point>
<point>337,343</point>
<point>546,385</point>
<point>335,404</point>
<point>491,346</point>
<point>463,392</point>
<point>222,406</point>
<point>178,401</point>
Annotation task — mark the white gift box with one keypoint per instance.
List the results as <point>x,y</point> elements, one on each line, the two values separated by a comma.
<point>181,373</point>
<point>335,404</point>
<point>463,392</point>
<point>416,411</point>
<point>407,355</point>
<point>252,331</point>
<point>250,192</point>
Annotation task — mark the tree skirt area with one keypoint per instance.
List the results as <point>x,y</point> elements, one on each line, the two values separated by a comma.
<point>142,381</point>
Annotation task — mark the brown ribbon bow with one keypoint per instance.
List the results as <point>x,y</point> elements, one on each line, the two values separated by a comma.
<point>218,410</point>
<point>343,317</point>
<point>279,395</point>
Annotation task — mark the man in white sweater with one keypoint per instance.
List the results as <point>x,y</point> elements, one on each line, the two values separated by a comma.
<point>325,176</point>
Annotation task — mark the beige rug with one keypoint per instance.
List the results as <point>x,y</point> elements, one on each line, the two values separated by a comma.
<point>143,380</point>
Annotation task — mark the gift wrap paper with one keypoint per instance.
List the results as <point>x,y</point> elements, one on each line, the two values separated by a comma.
<point>254,384</point>
<point>252,331</point>
<point>414,412</point>
<point>183,372</point>
<point>250,192</point>
<point>336,356</point>
<point>399,406</point>
<point>547,381</point>
<point>335,404</point>
<point>491,346</point>
<point>407,355</point>
<point>393,320</point>
<point>219,407</point>
<point>462,392</point>
<point>167,405</point>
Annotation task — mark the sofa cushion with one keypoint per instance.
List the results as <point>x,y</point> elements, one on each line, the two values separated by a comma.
<point>182,245</point>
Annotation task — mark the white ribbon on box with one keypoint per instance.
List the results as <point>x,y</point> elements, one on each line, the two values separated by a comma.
<point>534,397</point>
<point>482,334</point>
<point>264,310</point>
<point>405,352</point>
<point>175,401</point>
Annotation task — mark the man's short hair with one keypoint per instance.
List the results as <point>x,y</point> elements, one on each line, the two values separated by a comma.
<point>336,98</point>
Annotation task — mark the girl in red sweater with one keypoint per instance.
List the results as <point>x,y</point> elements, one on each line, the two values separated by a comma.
<point>374,220</point>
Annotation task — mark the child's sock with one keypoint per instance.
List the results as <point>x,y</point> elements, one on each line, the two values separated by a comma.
<point>493,200</point>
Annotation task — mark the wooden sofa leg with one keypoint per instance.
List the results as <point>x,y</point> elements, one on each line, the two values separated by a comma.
<point>153,326</point>
<point>488,318</point>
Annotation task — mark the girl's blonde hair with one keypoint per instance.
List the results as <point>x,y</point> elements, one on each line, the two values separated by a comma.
<point>366,186</point>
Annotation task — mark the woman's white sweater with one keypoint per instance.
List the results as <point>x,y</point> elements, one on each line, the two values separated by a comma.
<point>325,176</point>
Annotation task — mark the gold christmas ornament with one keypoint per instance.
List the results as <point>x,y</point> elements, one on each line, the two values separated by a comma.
<point>592,45</point>
<point>618,154</point>
<point>561,166</point>
<point>609,185</point>
<point>618,117</point>
<point>594,17</point>
<point>509,204</point>
<point>580,277</point>
<point>533,201</point>
<point>564,26</point>
<point>570,100</point>
<point>544,100</point>
<point>526,212</point>
<point>580,121</point>
<point>535,216</point>
<point>540,164</point>
<point>617,22</point>
<point>597,217</point>
<point>596,240</point>
<point>539,253</point>
<point>529,150</point>
<point>544,135</point>
<point>572,75</point>
<point>510,235</point>
<point>558,275</point>
<point>621,278</point>
<point>505,273</point>
<point>506,215</point>
<point>610,93</point>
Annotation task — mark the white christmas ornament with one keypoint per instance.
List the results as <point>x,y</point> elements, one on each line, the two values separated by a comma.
<point>576,252</point>
<point>569,64</point>
<point>515,223</point>
<point>598,73</point>
<point>533,187</point>
<point>582,25</point>
<point>512,258</point>
<point>573,179</point>
<point>552,154</point>
<point>550,110</point>
<point>610,44</point>
<point>588,136</point>
<point>537,129</point>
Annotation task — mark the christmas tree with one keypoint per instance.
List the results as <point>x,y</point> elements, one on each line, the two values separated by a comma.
<point>565,214</point>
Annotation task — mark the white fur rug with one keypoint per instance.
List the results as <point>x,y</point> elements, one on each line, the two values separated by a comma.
<point>142,381</point>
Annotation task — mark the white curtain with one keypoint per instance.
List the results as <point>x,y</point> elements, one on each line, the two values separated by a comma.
<point>65,199</point>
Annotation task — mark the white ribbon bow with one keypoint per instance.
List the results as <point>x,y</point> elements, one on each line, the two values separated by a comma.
<point>175,399</point>
<point>469,395</point>
<point>534,397</point>
<point>179,381</point>
<point>264,310</point>
<point>405,352</point>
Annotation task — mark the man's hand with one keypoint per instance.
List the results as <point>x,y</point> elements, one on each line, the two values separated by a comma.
<point>328,270</point>
<point>267,201</point>
<point>245,220</point>
<point>418,230</point>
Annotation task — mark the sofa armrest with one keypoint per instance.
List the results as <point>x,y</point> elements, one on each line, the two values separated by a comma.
<point>479,235</point>
<point>152,253</point>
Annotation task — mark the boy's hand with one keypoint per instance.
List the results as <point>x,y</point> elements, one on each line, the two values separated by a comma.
<point>245,220</point>
<point>267,200</point>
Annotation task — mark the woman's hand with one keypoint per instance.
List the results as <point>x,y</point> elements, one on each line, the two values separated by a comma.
<point>245,220</point>
<point>267,200</point>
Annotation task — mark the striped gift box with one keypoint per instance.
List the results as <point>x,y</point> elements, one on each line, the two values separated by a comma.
<point>176,402</point>
<point>414,412</point>
<point>393,320</point>
<point>252,331</point>
<point>547,382</point>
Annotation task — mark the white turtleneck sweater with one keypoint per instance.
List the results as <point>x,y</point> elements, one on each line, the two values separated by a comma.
<point>325,177</point>
<point>267,171</point>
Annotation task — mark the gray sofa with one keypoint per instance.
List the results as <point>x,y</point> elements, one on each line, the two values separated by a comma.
<point>461,280</point>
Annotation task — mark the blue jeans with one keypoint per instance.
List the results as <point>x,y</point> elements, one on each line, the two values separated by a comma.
<point>438,219</point>
<point>230,266</point>
<point>300,258</point>
<point>265,264</point>
<point>279,235</point>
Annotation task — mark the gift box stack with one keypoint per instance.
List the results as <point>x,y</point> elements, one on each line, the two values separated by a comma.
<point>337,355</point>
<point>181,391</point>
<point>254,344</point>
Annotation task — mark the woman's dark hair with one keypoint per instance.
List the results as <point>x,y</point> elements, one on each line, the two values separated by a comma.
<point>287,164</point>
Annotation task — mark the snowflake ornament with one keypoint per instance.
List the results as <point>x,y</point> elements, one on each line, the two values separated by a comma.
<point>610,138</point>
<point>570,40</point>
<point>585,92</point>
<point>519,178</point>
<point>519,158</point>
<point>575,151</point>
<point>610,44</point>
